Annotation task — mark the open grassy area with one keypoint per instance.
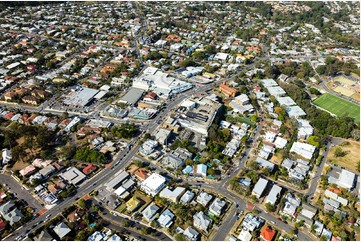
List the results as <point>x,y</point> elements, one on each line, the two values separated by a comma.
<point>350,160</point>
<point>338,106</point>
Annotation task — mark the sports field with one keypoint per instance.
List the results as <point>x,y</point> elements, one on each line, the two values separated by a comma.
<point>338,106</point>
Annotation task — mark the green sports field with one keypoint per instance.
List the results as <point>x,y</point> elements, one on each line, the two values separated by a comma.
<point>338,106</point>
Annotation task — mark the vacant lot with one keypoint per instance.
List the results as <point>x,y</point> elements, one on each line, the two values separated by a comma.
<point>351,160</point>
<point>338,106</point>
<point>344,91</point>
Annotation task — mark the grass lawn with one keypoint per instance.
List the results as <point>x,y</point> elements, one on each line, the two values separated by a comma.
<point>338,106</point>
<point>349,161</point>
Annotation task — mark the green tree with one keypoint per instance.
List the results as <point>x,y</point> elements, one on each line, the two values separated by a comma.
<point>269,207</point>
<point>339,152</point>
<point>180,237</point>
<point>254,165</point>
<point>82,203</point>
<point>211,171</point>
<point>125,223</point>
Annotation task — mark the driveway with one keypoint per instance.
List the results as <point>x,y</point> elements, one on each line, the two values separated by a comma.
<point>20,192</point>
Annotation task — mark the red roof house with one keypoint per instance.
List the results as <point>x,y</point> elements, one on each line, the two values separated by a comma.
<point>267,233</point>
<point>2,225</point>
<point>89,169</point>
<point>8,115</point>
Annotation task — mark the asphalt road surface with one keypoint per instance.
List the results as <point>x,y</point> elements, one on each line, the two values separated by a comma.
<point>20,192</point>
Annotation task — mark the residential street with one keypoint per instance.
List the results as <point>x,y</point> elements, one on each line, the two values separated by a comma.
<point>20,192</point>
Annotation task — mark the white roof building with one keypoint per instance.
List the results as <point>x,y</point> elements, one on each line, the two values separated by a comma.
<point>96,236</point>
<point>150,212</point>
<point>280,143</point>
<point>259,187</point>
<point>251,222</point>
<point>291,204</point>
<point>305,130</point>
<point>318,228</point>
<point>61,230</point>
<point>245,235</point>
<point>303,149</point>
<point>148,147</point>
<point>191,234</point>
<point>269,83</point>
<point>201,221</point>
<point>153,184</point>
<point>73,176</point>
<point>161,83</point>
<point>295,111</point>
<point>346,179</point>
<point>270,136</point>
<point>201,170</point>
<point>162,136</point>
<point>276,91</point>
<point>204,198</point>
<point>274,194</point>
<point>217,206</point>
<point>6,156</point>
<point>221,56</point>
<point>285,101</point>
<point>187,197</point>
<point>114,237</point>
<point>165,219</point>
<point>264,163</point>
<point>172,195</point>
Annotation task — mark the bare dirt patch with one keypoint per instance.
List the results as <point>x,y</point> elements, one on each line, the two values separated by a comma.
<point>351,160</point>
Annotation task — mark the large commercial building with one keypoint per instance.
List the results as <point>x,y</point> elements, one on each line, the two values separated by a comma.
<point>198,115</point>
<point>160,83</point>
<point>80,96</point>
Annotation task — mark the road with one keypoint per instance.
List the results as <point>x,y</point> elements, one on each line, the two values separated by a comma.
<point>20,192</point>
<point>316,178</point>
<point>120,162</point>
<point>134,227</point>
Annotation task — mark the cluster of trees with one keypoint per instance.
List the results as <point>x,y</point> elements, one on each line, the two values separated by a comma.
<point>125,130</point>
<point>186,144</point>
<point>322,121</point>
<point>218,138</point>
<point>301,71</point>
<point>34,137</point>
<point>154,55</point>
<point>186,63</point>
<point>246,34</point>
<point>334,65</point>
<point>88,155</point>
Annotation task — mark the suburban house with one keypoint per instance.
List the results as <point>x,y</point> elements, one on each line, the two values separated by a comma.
<point>204,198</point>
<point>165,219</point>
<point>259,187</point>
<point>274,195</point>
<point>61,230</point>
<point>172,195</point>
<point>201,221</point>
<point>227,90</point>
<point>176,158</point>
<point>267,233</point>
<point>150,212</point>
<point>191,234</point>
<point>187,197</point>
<point>217,206</point>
